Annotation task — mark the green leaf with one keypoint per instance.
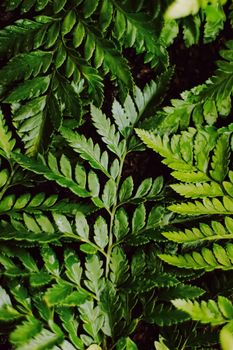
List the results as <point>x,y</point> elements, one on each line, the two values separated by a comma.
<point>88,248</point>
<point>94,187</point>
<point>73,266</point>
<point>207,206</point>
<point>143,188</point>
<point>204,311</point>
<point>76,298</point>
<point>139,217</point>
<point>89,7</point>
<point>198,190</point>
<point>86,149</point>
<point>70,324</point>
<point>39,168</point>
<point>58,5</point>
<point>68,22</point>
<point>23,66</point>
<point>7,312</point>
<point>70,98</point>
<point>101,232</point>
<point>126,189</point>
<point>180,291</point>
<point>4,298</point>
<point>107,131</point>
<point>51,261</point>
<point>62,223</point>
<point>94,347</point>
<point>226,337</point>
<point>204,233</point>
<point>43,340</point>
<point>30,88</point>
<point>159,345</point>
<point>6,141</point>
<point>105,16</point>
<point>130,345</point>
<point>57,293</point>
<point>82,227</point>
<point>109,193</point>
<point>119,266</point>
<point>94,273</point>
<point>220,159</point>
<point>39,279</point>
<point>78,34</point>
<point>121,224</point>
<point>92,318</point>
<point>25,331</point>
<point>217,258</point>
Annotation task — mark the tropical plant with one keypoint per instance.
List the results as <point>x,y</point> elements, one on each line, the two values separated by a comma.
<point>56,60</point>
<point>57,55</point>
<point>90,291</point>
<point>200,157</point>
<point>89,251</point>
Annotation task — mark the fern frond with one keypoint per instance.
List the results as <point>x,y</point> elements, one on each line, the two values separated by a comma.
<point>217,258</point>
<point>23,66</point>
<point>6,141</point>
<point>8,313</point>
<point>202,103</point>
<point>184,153</point>
<point>205,232</point>
<point>25,331</point>
<point>11,204</point>
<point>104,53</point>
<point>19,232</point>
<point>151,96</point>
<point>108,132</point>
<point>213,312</point>
<point>207,206</point>
<point>43,340</point>
<point>164,315</point>
<point>23,35</point>
<point>87,150</point>
<point>37,118</point>
<point>220,159</point>
<point>50,172</point>
<point>30,89</point>
<point>198,190</point>
<point>177,151</point>
<point>94,272</point>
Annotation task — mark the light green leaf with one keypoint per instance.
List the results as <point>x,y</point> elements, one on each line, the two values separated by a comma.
<point>73,266</point>
<point>101,232</point>
<point>121,224</point>
<point>57,293</point>
<point>82,227</point>
<point>51,261</point>
<point>43,340</point>
<point>25,331</point>
<point>109,193</point>
<point>68,22</point>
<point>88,248</point>
<point>126,189</point>
<point>139,217</point>
<point>62,223</point>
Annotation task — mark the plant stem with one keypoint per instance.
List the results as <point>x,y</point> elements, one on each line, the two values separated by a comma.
<point>112,216</point>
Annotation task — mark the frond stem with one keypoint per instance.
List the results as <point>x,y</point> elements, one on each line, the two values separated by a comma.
<point>112,216</point>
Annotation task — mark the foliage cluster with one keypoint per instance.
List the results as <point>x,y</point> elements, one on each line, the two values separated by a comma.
<point>88,253</point>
